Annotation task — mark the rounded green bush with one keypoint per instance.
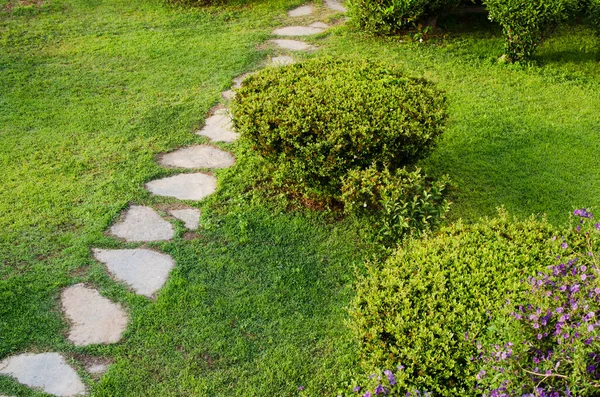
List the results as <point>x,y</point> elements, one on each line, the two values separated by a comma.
<point>319,119</point>
<point>427,304</point>
<point>389,16</point>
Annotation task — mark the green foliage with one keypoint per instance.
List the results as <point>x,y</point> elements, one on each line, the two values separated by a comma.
<point>593,13</point>
<point>389,16</point>
<point>526,22</point>
<point>320,119</point>
<point>423,306</point>
<point>546,344</point>
<point>398,202</point>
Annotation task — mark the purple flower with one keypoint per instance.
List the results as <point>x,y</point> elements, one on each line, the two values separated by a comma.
<point>564,246</point>
<point>480,375</point>
<point>300,388</point>
<point>401,367</point>
<point>390,376</point>
<point>367,394</point>
<point>356,389</point>
<point>379,389</point>
<point>583,213</point>
<point>597,226</point>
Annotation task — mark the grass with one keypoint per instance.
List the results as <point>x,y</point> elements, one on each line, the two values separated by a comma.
<point>92,91</point>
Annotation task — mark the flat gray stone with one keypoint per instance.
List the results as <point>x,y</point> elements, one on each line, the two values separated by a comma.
<point>94,319</point>
<point>190,216</point>
<point>293,45</point>
<point>320,25</point>
<point>97,368</point>
<point>301,11</point>
<point>297,31</point>
<point>46,371</point>
<point>237,82</point>
<point>199,156</point>
<point>184,186</point>
<point>228,95</point>
<point>335,5</point>
<point>142,224</point>
<point>144,270</point>
<point>282,61</point>
<point>219,127</point>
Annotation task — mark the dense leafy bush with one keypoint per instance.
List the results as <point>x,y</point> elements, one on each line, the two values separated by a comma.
<point>389,16</point>
<point>322,118</point>
<point>525,22</point>
<point>397,202</point>
<point>549,344</point>
<point>423,307</point>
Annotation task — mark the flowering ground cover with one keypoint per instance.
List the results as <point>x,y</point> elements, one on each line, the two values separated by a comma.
<point>92,92</point>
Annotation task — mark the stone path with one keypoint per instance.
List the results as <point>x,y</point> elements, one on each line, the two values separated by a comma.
<point>335,5</point>
<point>219,127</point>
<point>293,45</point>
<point>184,186</point>
<point>200,156</point>
<point>144,270</point>
<point>46,371</point>
<point>190,217</point>
<point>95,319</point>
<point>142,224</point>
<point>282,60</point>
<point>298,31</point>
<point>301,11</point>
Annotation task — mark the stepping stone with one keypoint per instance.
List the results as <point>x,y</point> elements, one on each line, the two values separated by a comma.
<point>237,82</point>
<point>293,45</point>
<point>94,319</point>
<point>335,5</point>
<point>144,270</point>
<point>142,224</point>
<point>282,61</point>
<point>297,31</point>
<point>228,95</point>
<point>97,368</point>
<point>190,216</point>
<point>46,371</point>
<point>184,186</point>
<point>301,11</point>
<point>219,127</point>
<point>200,156</point>
<point>320,25</point>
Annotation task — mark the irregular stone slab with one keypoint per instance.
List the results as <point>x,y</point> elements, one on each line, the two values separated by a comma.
<point>237,82</point>
<point>335,5</point>
<point>293,45</point>
<point>144,270</point>
<point>321,25</point>
<point>190,216</point>
<point>219,127</point>
<point>142,224</point>
<point>47,371</point>
<point>199,156</point>
<point>228,95</point>
<point>282,60</point>
<point>184,186</point>
<point>301,11</point>
<point>94,319</point>
<point>297,31</point>
<point>97,368</point>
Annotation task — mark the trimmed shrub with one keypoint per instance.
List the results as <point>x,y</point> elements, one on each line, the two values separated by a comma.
<point>319,119</point>
<point>422,308</point>
<point>397,203</point>
<point>525,22</point>
<point>389,16</point>
<point>548,341</point>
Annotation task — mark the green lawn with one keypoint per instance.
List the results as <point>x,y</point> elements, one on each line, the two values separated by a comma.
<point>91,91</point>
